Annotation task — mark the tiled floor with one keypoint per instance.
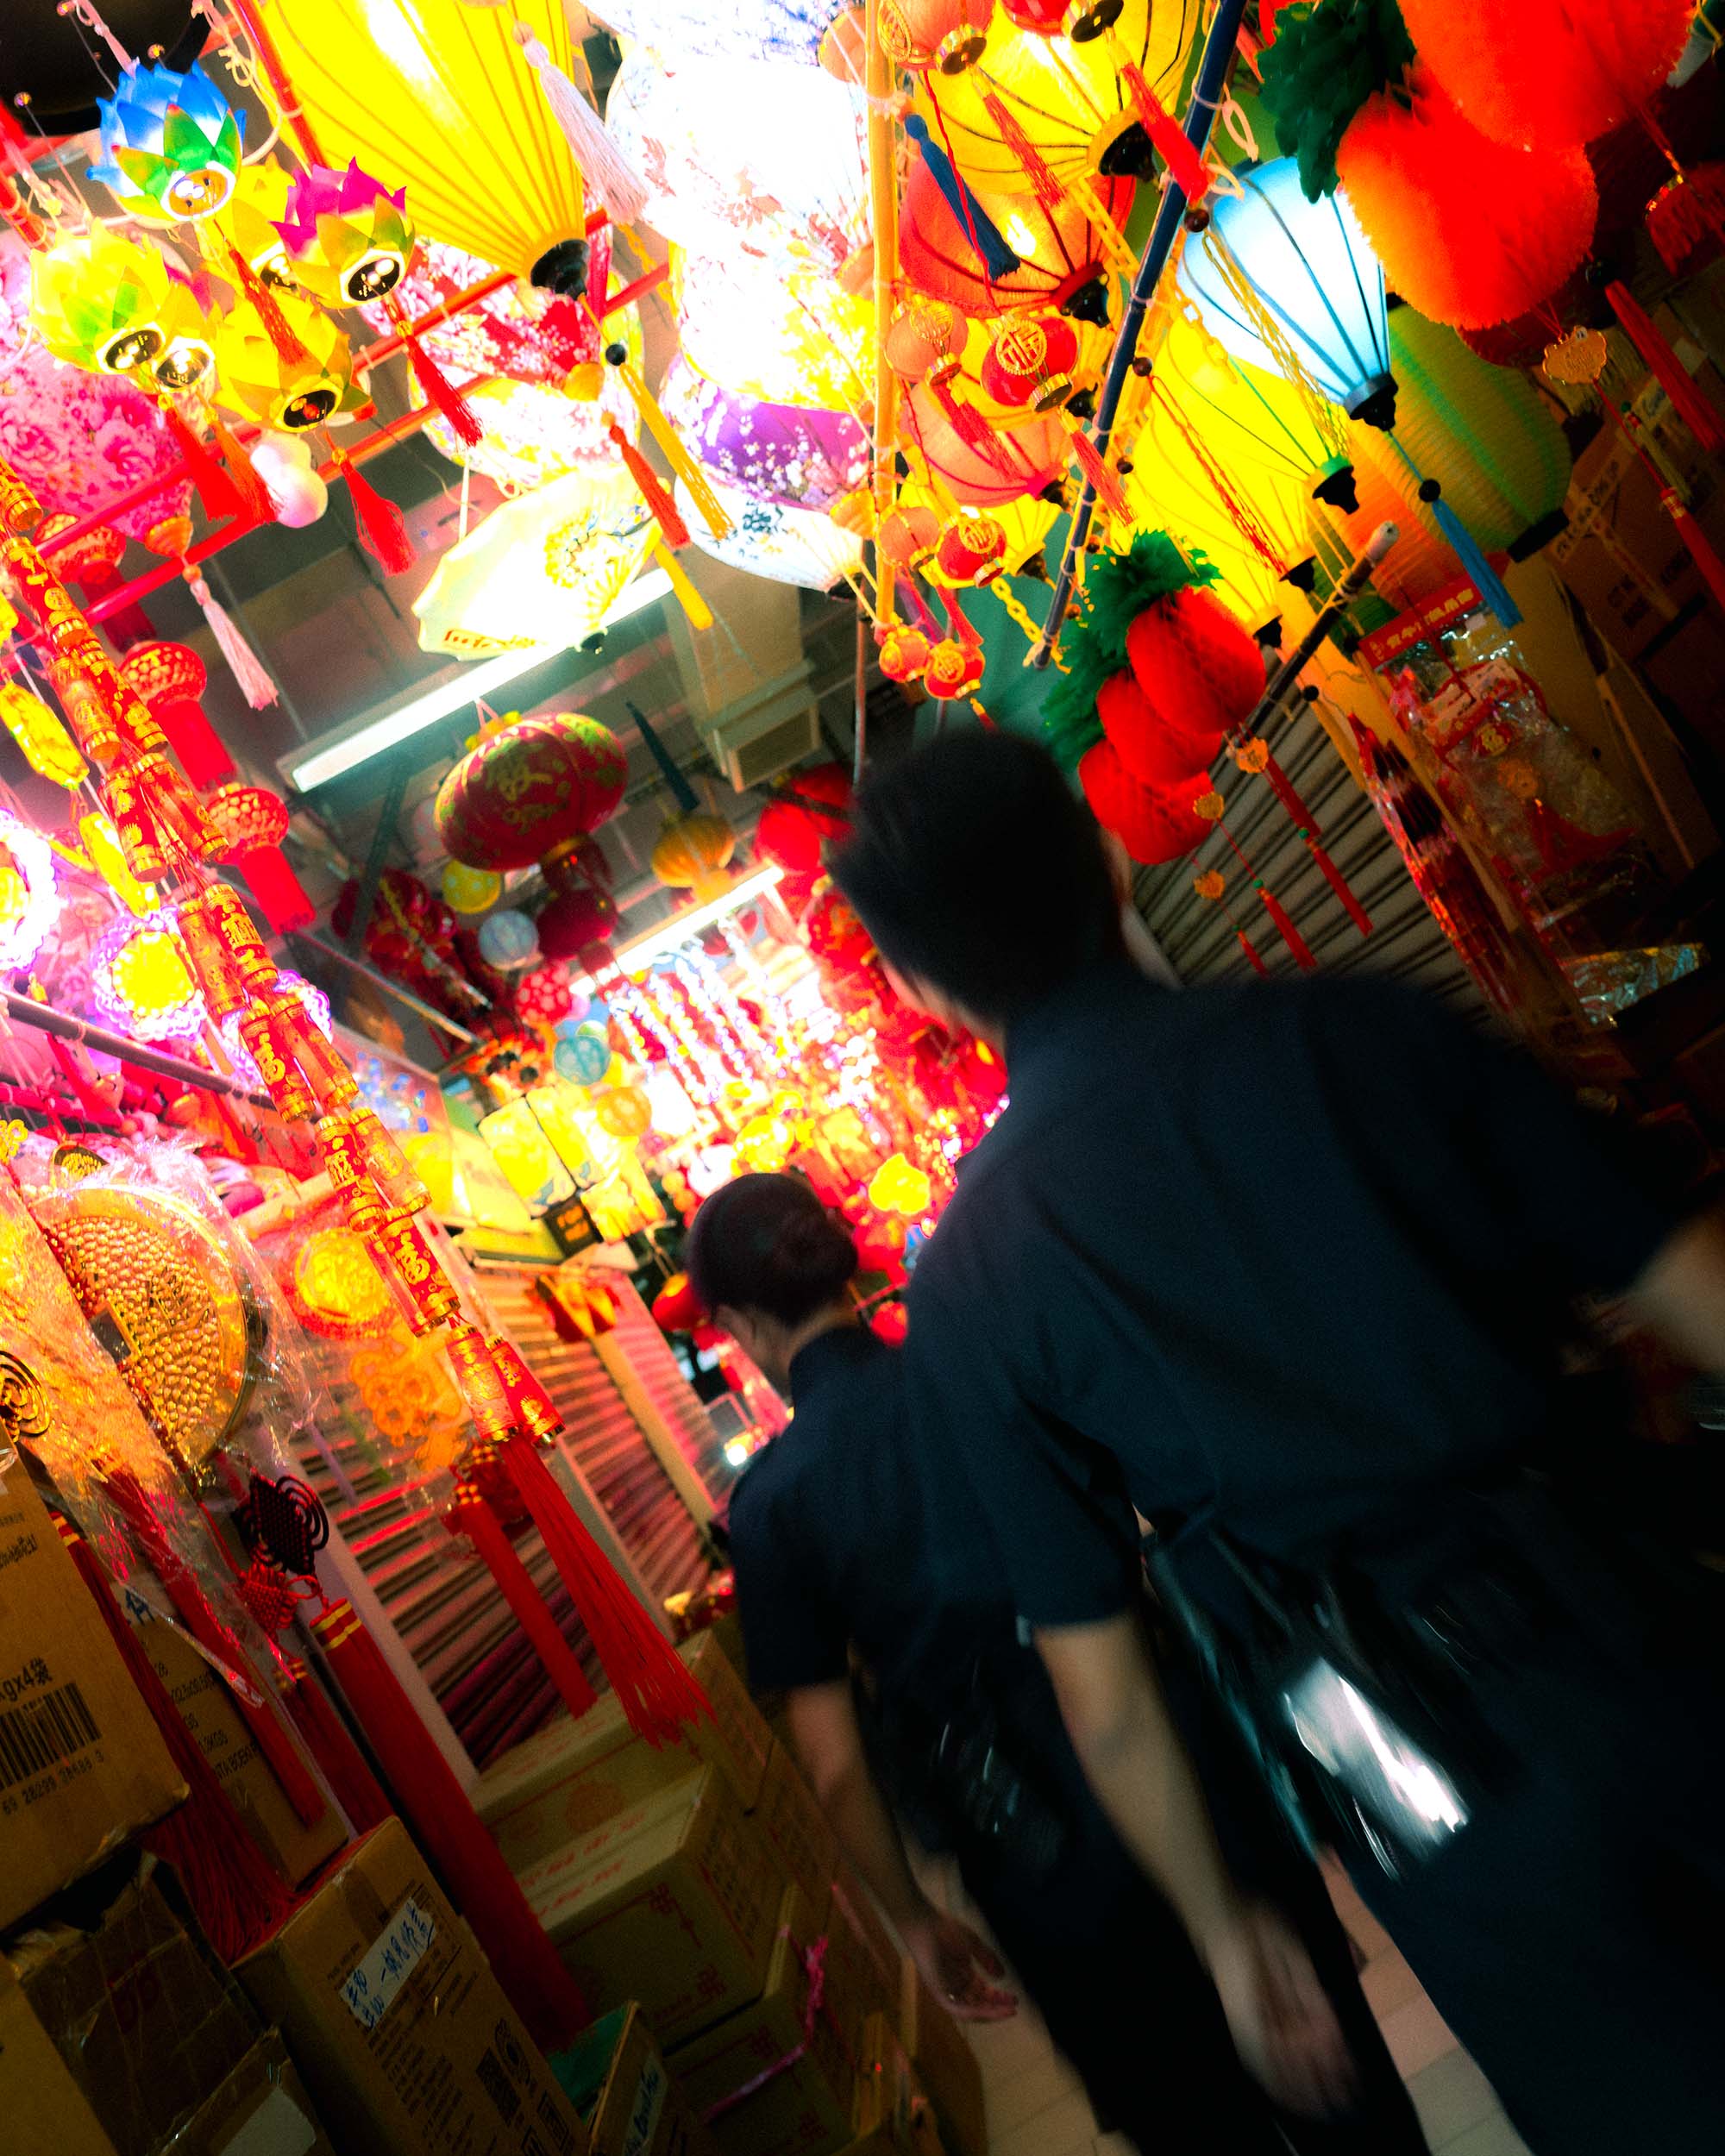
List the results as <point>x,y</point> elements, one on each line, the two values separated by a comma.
<point>1036,2107</point>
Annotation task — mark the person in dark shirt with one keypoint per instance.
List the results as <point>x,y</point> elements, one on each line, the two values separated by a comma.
<point>853,1545</point>
<point>1293,1261</point>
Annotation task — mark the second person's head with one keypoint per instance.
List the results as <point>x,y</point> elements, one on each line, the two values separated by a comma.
<point>771,1265</point>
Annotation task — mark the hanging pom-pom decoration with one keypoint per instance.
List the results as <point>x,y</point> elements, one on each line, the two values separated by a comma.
<point>609,180</point>
<point>381,527</point>
<point>664,511</point>
<point>1687,401</point>
<point>243,663</point>
<point>985,235</point>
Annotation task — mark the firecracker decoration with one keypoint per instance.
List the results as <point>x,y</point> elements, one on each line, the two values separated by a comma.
<point>171,145</point>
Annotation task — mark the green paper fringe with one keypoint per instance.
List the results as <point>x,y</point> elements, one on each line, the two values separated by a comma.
<point>1326,62</point>
<point>1118,587</point>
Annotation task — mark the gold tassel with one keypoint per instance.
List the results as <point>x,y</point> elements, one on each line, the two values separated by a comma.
<point>694,606</point>
<point>682,464</point>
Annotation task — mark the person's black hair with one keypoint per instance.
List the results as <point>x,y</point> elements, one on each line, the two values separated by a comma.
<point>766,1243</point>
<point>976,869</point>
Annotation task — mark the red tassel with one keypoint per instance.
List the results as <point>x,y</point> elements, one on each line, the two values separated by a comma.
<point>441,392</point>
<point>1250,951</point>
<point>1105,481</point>
<point>204,1621</point>
<point>1339,883</point>
<point>666,514</point>
<point>326,1737</point>
<point>1168,138</point>
<point>956,620</point>
<point>382,531</point>
<point>1290,935</point>
<point>452,1834</point>
<point>1287,794</point>
<point>1044,184</point>
<point>969,424</point>
<point>278,329</point>
<point>237,1896</point>
<point>471,1516</point>
<point>255,495</point>
<point>1701,550</point>
<point>1687,401</point>
<point>217,496</point>
<point>658,1693</point>
<point>278,891</point>
<point>1686,220</point>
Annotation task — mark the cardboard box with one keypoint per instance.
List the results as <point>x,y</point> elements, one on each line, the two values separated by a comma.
<point>631,2102</point>
<point>796,1827</point>
<point>402,2034</point>
<point>574,1774</point>
<point>261,2110</point>
<point>887,2098</point>
<point>296,1849</point>
<point>857,1986</point>
<point>144,2018</point>
<point>677,1914</point>
<point>47,2113</point>
<point>946,2067</point>
<point>82,1765</point>
<point>785,2051</point>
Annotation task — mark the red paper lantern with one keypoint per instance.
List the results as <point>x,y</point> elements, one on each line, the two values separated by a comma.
<point>529,788</point>
<point>1152,827</point>
<point>927,330</point>
<point>1156,755</point>
<point>971,549</point>
<point>171,680</point>
<point>1042,18</point>
<point>1470,231</point>
<point>796,826</point>
<point>1030,360</point>
<point>543,996</point>
<point>952,668</point>
<point>676,1307</point>
<point>946,35</point>
<point>1548,74</point>
<point>1060,263</point>
<point>982,466</point>
<point>576,921</point>
<point>904,654</point>
<point>1198,667</point>
<point>833,932</point>
<point>251,823</point>
<point>907,536</point>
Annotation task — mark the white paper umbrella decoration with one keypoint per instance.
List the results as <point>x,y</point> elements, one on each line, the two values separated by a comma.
<point>541,571</point>
<point>767,539</point>
<point>744,29</point>
<point>724,177</point>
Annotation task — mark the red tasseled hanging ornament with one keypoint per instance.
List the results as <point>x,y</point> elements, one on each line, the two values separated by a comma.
<point>255,495</point>
<point>326,1737</point>
<point>382,529</point>
<point>439,389</point>
<point>1288,793</point>
<point>1168,138</point>
<point>1044,185</point>
<point>470,1515</point>
<point>657,1693</point>
<point>1686,220</point>
<point>278,891</point>
<point>1339,883</point>
<point>1104,480</point>
<point>446,1827</point>
<point>1687,401</point>
<point>218,495</point>
<point>1250,951</point>
<point>237,1897</point>
<point>278,329</point>
<point>202,1619</point>
<point>665,513</point>
<point>1290,935</point>
<point>966,422</point>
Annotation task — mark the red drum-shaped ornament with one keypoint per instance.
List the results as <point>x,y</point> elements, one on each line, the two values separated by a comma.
<point>1153,827</point>
<point>1030,360</point>
<point>1156,755</point>
<point>1200,669</point>
<point>529,787</point>
<point>927,330</point>
<point>171,679</point>
<point>953,668</point>
<point>971,549</point>
<point>251,823</point>
<point>907,536</point>
<point>904,654</point>
<point>945,35</point>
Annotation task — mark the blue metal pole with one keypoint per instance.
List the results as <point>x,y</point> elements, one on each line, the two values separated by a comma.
<point>1207,92</point>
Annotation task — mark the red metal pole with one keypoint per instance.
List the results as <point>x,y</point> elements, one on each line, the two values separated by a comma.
<point>642,286</point>
<point>305,135</point>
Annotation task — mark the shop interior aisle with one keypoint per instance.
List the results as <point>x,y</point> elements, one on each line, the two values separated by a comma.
<point>1036,2107</point>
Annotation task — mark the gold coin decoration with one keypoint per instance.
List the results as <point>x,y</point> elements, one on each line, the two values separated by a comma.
<point>166,1297</point>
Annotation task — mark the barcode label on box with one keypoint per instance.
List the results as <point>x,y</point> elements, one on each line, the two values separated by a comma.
<point>371,1986</point>
<point>37,1734</point>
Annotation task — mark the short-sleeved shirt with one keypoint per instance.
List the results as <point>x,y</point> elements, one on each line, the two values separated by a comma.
<point>842,1530</point>
<point>1290,1256</point>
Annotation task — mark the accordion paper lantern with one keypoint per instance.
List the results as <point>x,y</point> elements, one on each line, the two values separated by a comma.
<point>1153,826</point>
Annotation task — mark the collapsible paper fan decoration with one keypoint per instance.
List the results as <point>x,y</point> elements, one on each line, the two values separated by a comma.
<point>808,32</point>
<point>439,98</point>
<point>790,338</point>
<point>77,440</point>
<point>771,540</point>
<point>542,571</point>
<point>718,179</point>
<point>779,453</point>
<point>1067,99</point>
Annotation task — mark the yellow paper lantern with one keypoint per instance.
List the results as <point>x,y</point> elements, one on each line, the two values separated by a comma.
<point>470,890</point>
<point>439,96</point>
<point>285,396</point>
<point>624,1113</point>
<point>693,853</point>
<point>1068,98</point>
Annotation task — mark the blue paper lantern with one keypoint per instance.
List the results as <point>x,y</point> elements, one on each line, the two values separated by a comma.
<point>583,1056</point>
<point>1314,275</point>
<point>508,940</point>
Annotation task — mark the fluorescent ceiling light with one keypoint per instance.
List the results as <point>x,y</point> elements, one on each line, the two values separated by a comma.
<point>472,683</point>
<point>636,956</point>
